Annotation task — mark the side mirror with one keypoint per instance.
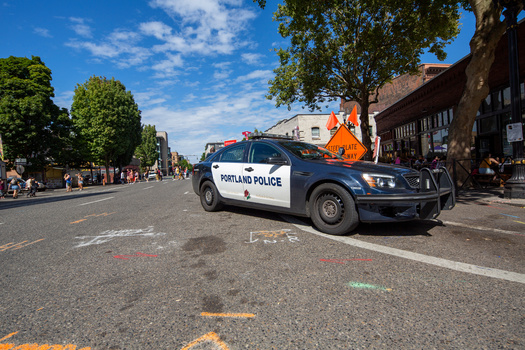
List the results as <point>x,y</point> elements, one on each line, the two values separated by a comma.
<point>341,151</point>
<point>276,160</point>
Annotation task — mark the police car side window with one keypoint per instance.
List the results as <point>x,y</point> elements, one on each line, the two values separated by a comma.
<point>260,152</point>
<point>233,155</point>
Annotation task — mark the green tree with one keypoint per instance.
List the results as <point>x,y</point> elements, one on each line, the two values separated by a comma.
<point>147,152</point>
<point>349,49</point>
<point>28,115</point>
<point>106,120</point>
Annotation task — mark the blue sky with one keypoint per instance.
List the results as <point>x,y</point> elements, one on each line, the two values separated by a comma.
<point>198,69</point>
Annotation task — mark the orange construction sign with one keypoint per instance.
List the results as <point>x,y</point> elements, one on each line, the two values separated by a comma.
<point>343,137</point>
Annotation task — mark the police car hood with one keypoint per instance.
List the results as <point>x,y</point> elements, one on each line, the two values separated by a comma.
<point>367,167</point>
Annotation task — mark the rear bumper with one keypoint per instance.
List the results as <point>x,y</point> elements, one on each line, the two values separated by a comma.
<point>436,193</point>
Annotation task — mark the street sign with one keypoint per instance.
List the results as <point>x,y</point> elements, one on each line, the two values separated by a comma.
<point>20,161</point>
<point>344,138</point>
<point>20,169</point>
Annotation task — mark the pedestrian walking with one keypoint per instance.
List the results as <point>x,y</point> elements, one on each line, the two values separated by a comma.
<point>80,181</point>
<point>29,183</point>
<point>2,189</point>
<point>67,178</point>
<point>14,186</point>
<point>32,186</point>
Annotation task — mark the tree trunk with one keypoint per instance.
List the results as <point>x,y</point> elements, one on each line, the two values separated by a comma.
<point>365,128</point>
<point>489,30</point>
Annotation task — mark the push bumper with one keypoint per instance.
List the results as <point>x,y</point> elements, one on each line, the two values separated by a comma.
<point>436,192</point>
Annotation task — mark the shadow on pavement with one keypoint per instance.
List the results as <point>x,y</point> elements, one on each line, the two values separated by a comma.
<point>407,228</point>
<point>10,203</point>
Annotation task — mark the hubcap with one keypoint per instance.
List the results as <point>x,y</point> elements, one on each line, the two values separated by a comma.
<point>208,196</point>
<point>330,208</point>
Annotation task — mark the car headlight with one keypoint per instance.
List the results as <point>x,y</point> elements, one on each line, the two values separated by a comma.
<point>380,180</point>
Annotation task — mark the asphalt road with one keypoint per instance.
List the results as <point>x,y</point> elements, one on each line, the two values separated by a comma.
<point>143,266</point>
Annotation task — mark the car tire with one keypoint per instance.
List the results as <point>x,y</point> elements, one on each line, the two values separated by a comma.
<point>210,200</point>
<point>333,209</point>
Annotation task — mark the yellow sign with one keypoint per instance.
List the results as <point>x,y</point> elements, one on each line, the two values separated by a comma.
<point>344,138</point>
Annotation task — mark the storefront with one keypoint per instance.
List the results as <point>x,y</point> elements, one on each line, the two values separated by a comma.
<point>418,124</point>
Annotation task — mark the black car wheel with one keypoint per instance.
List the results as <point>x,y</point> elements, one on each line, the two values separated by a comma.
<point>210,197</point>
<point>333,210</point>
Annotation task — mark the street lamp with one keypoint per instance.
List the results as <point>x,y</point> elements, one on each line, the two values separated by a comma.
<point>515,186</point>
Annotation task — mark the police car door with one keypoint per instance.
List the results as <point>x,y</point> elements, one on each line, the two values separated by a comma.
<point>227,172</point>
<point>266,183</point>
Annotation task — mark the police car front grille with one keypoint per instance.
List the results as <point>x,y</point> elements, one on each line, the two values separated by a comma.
<point>413,180</point>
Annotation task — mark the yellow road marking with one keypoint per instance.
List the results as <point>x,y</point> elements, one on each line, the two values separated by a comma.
<point>92,215</point>
<point>212,314</point>
<point>211,337</point>
<point>38,347</point>
<point>8,336</point>
<point>519,222</point>
<point>41,239</point>
<point>17,245</point>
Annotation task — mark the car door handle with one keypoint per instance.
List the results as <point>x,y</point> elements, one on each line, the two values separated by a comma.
<point>215,167</point>
<point>250,169</point>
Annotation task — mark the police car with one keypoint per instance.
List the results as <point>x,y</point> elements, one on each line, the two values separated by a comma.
<point>282,175</point>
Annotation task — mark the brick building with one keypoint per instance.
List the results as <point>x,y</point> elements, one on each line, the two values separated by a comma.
<point>398,88</point>
<point>418,122</point>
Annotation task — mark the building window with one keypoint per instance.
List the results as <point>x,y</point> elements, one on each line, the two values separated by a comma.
<point>506,97</point>
<point>489,124</point>
<point>487,104</point>
<point>332,132</point>
<point>315,133</point>
<point>496,100</point>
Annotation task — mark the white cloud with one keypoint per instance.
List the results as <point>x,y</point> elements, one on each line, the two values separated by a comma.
<point>207,26</point>
<point>80,27</point>
<point>43,32</point>
<point>252,58</point>
<point>157,29</point>
<point>256,75</point>
<point>166,68</point>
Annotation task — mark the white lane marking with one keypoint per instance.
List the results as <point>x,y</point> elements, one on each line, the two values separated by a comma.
<point>186,192</point>
<point>145,188</point>
<point>449,264</point>
<point>100,200</point>
<point>482,228</point>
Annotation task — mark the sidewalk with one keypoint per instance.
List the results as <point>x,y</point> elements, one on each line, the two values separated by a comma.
<point>492,195</point>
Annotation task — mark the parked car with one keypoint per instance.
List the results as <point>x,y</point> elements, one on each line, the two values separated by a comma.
<point>286,176</point>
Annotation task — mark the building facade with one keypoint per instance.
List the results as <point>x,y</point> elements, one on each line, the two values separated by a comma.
<point>311,128</point>
<point>418,123</point>
<point>398,88</point>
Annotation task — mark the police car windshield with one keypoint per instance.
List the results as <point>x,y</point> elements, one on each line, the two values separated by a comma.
<point>308,151</point>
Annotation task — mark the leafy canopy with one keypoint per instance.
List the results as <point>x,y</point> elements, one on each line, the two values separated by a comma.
<point>351,48</point>
<point>30,122</point>
<point>146,151</point>
<point>106,120</point>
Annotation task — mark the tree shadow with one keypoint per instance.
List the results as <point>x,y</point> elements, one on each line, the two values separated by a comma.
<point>10,203</point>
